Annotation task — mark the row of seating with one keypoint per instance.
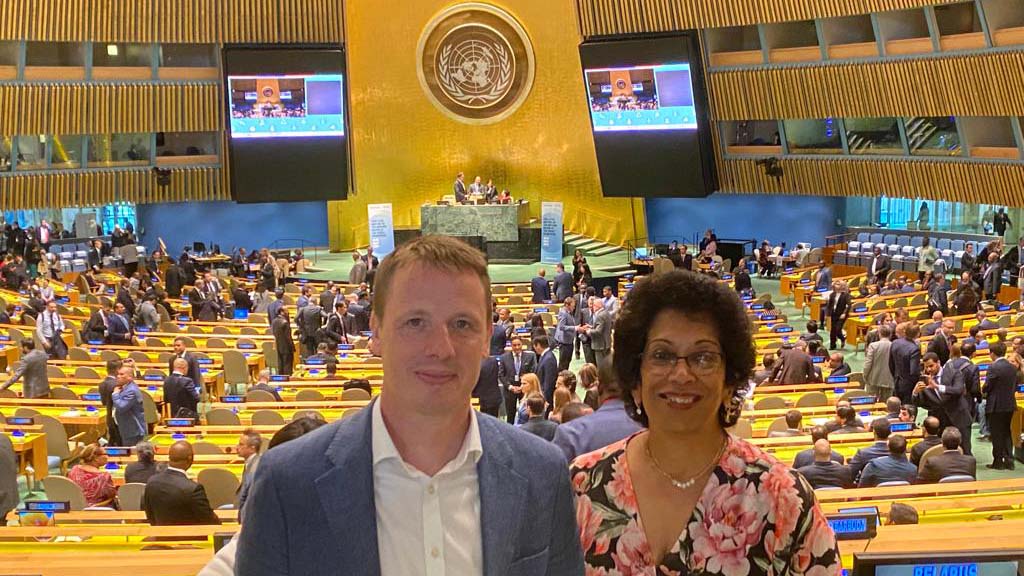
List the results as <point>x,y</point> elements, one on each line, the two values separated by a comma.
<point>904,251</point>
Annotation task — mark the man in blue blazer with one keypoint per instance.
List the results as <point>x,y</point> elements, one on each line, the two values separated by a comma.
<point>539,288</point>
<point>547,367</point>
<point>418,479</point>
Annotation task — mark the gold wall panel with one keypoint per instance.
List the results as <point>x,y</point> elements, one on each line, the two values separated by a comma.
<point>406,152</point>
<point>975,183</point>
<point>109,108</point>
<point>97,187</point>
<point>610,17</point>
<point>172,21</point>
<point>913,87</point>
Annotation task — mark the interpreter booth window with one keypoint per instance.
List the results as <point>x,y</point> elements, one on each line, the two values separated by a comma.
<point>813,136</point>
<point>122,55</point>
<point>65,152</point>
<point>866,136</point>
<point>919,214</point>
<point>49,54</point>
<point>120,214</point>
<point>933,136</point>
<point>31,152</point>
<point>188,55</point>
<point>186,148</point>
<point>5,153</point>
<point>752,136</point>
<point>112,150</point>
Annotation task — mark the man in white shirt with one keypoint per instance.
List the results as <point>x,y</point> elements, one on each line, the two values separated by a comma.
<point>49,327</point>
<point>418,483</point>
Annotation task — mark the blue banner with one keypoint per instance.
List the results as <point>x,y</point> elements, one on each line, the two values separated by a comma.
<point>382,229</point>
<point>551,232</point>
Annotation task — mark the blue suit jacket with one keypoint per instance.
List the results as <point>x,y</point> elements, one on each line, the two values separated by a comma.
<point>311,510</point>
<point>540,289</point>
<point>547,373</point>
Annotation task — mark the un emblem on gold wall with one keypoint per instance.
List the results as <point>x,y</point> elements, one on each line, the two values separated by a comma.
<point>475,63</point>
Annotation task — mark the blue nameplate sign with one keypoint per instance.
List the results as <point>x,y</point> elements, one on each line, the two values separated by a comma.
<point>818,359</point>
<point>366,333</point>
<point>838,379</point>
<point>1003,307</point>
<point>726,276</point>
<point>183,318</point>
<point>983,367</point>
<point>539,310</point>
<point>757,306</point>
<point>142,329</point>
<point>5,338</point>
<point>901,427</point>
<point>862,400</point>
<point>821,290</point>
<point>63,300</point>
<point>279,378</point>
<point>805,281</point>
<point>119,451</point>
<point>315,361</point>
<point>96,342</point>
<point>20,420</point>
<point>346,347</point>
<point>789,269</point>
<point>839,390</point>
<point>95,397</point>
<point>206,360</point>
<point>47,506</point>
<point>853,526</point>
<point>233,399</point>
<point>246,346</point>
<point>153,378</point>
<point>859,309</point>
<point>179,422</point>
<point>783,329</point>
<point>1020,388</point>
<point>864,413</point>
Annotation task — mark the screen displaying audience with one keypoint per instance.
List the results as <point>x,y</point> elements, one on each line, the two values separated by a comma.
<point>642,98</point>
<point>286,121</point>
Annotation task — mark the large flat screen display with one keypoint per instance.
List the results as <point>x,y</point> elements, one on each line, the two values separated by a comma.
<point>649,113</point>
<point>287,123</point>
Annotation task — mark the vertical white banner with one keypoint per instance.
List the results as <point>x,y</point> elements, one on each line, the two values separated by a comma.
<point>382,229</point>
<point>551,232</point>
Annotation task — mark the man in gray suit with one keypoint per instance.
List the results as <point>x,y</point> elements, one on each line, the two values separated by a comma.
<point>484,497</point>
<point>601,332</point>
<point>357,274</point>
<point>8,476</point>
<point>562,283</point>
<point>877,378</point>
<point>31,371</point>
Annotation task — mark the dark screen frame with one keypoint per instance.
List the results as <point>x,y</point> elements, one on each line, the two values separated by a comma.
<point>654,163</point>
<point>287,169</point>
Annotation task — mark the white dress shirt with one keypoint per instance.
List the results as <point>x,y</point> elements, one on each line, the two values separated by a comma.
<point>427,526</point>
<point>50,324</point>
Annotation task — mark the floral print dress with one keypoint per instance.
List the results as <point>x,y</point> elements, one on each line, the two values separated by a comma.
<point>755,516</point>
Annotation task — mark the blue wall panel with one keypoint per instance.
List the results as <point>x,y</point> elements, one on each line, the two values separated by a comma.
<point>231,225</point>
<point>788,219</point>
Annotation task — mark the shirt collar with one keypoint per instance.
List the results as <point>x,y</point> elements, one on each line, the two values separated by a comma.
<point>179,470</point>
<point>384,448</point>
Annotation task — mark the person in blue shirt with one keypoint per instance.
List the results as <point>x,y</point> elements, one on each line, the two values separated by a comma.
<point>128,410</point>
<point>892,468</point>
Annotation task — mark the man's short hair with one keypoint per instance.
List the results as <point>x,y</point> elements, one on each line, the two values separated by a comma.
<point>28,344</point>
<point>180,339</point>
<point>573,410</point>
<point>997,349</point>
<point>902,514</point>
<point>264,374</point>
<point>113,366</point>
<point>897,445</point>
<point>322,348</point>
<point>535,404</point>
<point>967,349</point>
<point>819,433</point>
<point>252,439</point>
<point>930,356</point>
<point>846,414</point>
<point>793,419</point>
<point>541,340</point>
<point>951,438</point>
<point>812,326</point>
<point>884,331</point>
<point>893,404</point>
<point>441,252</point>
<point>912,330</point>
<point>931,426</point>
<point>881,429</point>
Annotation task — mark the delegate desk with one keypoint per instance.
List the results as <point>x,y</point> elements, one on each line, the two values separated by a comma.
<point>492,222</point>
<point>31,449</point>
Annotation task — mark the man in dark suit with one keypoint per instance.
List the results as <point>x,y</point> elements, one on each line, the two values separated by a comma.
<point>601,331</point>
<point>459,189</point>
<point>879,267</point>
<point>540,288</point>
<point>513,365</point>
<point>174,279</point>
<point>1000,404</point>
<point>931,438</point>
<point>9,468</point>
<point>328,296</point>
<point>892,467</point>
<point>992,277</point>
<point>181,392</point>
<point>547,368</point>
<point>119,326</point>
<point>881,431</point>
<point>951,462</point>
<point>193,372</point>
<point>281,328</point>
<point>794,420</point>
<point>96,327</point>
<point>905,363</point>
<point>276,305</point>
<point>106,389</point>
<point>95,254</point>
<point>806,457</point>
<point>562,283</point>
<point>125,297</point>
<point>538,424</point>
<point>837,365</point>
<point>336,330</point>
<point>825,471</point>
<point>794,366</point>
<point>945,396</point>
<point>487,389</point>
<point>31,371</point>
<point>837,309</point>
<point>940,342</point>
<point>984,323</point>
<point>501,332</point>
<point>309,320</point>
<point>171,498</point>
<point>372,263</point>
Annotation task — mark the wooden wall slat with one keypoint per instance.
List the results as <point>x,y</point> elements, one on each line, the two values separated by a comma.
<point>611,17</point>
<point>911,87</point>
<point>172,21</point>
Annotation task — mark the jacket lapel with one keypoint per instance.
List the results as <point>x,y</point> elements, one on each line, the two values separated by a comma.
<point>502,499</point>
<point>346,493</point>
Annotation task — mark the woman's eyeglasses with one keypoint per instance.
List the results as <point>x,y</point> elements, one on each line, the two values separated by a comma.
<point>662,362</point>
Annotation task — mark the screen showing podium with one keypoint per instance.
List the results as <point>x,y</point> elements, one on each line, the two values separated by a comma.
<point>287,123</point>
<point>649,113</point>
<point>1000,563</point>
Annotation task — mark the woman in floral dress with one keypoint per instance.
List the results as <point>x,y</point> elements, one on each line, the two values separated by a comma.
<point>683,496</point>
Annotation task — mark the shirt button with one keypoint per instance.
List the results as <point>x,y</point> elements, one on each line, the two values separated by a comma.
<point>431,489</point>
<point>434,552</point>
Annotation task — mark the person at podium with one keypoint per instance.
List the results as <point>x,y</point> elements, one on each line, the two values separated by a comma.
<point>490,192</point>
<point>460,189</point>
<point>476,189</point>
